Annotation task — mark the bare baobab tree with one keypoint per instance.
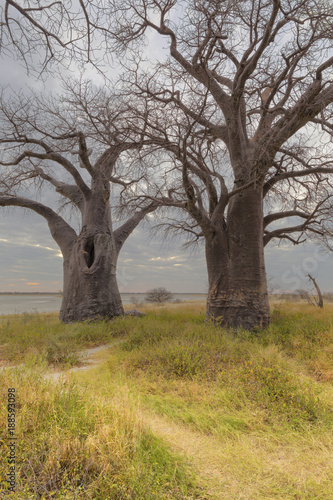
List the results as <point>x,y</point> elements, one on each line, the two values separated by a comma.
<point>253,82</point>
<point>78,145</point>
<point>190,175</point>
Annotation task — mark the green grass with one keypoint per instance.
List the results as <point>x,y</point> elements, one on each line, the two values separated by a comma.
<point>42,338</point>
<point>74,443</point>
<point>180,409</point>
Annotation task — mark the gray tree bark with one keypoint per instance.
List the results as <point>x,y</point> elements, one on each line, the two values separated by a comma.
<point>235,262</point>
<point>90,284</point>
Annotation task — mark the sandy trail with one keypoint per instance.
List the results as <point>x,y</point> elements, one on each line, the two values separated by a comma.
<point>91,358</point>
<point>204,453</point>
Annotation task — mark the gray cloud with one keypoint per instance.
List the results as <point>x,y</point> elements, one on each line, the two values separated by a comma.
<point>287,266</point>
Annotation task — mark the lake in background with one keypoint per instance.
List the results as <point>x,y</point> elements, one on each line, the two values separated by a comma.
<point>29,303</point>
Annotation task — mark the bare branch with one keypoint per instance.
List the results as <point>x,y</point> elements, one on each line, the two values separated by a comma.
<point>62,233</point>
<point>268,219</point>
<point>122,232</point>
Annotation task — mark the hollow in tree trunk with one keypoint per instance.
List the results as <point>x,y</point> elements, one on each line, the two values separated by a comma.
<point>90,284</point>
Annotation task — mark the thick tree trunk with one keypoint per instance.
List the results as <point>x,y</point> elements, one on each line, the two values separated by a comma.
<point>90,284</point>
<point>235,261</point>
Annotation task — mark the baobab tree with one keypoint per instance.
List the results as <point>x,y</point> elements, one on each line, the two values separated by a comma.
<point>77,144</point>
<point>194,185</point>
<point>254,84</point>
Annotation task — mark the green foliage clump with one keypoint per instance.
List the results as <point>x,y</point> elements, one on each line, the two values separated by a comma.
<point>280,392</point>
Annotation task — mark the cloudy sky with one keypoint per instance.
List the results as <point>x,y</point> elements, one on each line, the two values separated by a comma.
<point>31,260</point>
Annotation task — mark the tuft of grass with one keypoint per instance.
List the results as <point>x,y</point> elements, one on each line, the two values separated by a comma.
<point>280,392</point>
<point>304,333</point>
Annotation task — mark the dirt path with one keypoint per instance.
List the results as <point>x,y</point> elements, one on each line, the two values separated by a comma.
<point>91,358</point>
<point>204,453</point>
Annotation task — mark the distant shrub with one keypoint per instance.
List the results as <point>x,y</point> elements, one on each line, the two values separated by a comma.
<point>135,300</point>
<point>159,295</point>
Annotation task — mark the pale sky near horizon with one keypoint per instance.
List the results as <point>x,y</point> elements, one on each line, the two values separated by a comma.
<point>31,260</point>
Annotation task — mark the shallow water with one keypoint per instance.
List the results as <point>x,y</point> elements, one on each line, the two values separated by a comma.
<point>29,303</point>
